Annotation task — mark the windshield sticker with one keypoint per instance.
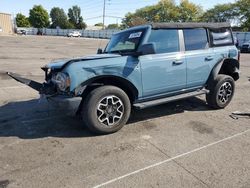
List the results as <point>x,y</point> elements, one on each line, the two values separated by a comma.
<point>135,35</point>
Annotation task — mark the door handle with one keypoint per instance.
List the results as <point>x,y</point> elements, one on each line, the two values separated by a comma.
<point>209,58</point>
<point>178,62</point>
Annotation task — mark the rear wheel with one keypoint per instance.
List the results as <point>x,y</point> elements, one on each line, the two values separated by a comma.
<point>221,92</point>
<point>106,109</point>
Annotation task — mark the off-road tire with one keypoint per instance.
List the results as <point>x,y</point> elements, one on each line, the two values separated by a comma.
<point>221,91</point>
<point>96,101</point>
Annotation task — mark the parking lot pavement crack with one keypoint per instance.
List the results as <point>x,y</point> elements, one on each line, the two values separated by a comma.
<point>178,164</point>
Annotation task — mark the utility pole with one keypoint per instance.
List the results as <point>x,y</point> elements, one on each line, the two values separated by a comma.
<point>103,15</point>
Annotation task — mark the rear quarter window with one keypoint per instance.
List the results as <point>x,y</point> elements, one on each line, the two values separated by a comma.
<point>221,37</point>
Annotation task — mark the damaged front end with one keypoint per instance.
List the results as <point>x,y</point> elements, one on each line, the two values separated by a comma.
<point>55,89</point>
<point>46,88</point>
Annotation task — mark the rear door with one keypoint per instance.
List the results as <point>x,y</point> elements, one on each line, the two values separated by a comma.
<point>199,57</point>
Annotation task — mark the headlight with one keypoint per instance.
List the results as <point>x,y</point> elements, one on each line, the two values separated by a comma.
<point>62,81</point>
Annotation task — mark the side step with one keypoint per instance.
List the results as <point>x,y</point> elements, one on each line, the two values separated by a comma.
<point>147,104</point>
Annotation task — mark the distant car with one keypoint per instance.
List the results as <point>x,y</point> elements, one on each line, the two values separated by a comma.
<point>74,34</point>
<point>21,32</point>
<point>245,47</point>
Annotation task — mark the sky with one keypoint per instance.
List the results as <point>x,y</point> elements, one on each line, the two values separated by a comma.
<point>92,10</point>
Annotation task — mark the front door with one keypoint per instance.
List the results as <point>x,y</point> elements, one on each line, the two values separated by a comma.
<point>165,71</point>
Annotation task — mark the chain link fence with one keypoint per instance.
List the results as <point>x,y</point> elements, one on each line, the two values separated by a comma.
<point>105,34</point>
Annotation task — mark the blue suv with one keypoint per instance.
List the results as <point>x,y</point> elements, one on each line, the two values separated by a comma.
<point>141,67</point>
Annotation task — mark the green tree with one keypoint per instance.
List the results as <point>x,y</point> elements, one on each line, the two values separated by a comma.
<point>39,17</point>
<point>59,18</point>
<point>75,17</point>
<point>220,13</point>
<point>189,12</point>
<point>113,26</point>
<point>99,24</point>
<point>132,20</point>
<point>22,21</point>
<point>164,11</point>
<point>243,12</point>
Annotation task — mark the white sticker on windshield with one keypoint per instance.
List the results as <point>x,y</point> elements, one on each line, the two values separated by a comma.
<point>135,35</point>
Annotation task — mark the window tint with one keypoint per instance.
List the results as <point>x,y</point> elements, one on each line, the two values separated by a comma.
<point>195,39</point>
<point>221,37</point>
<point>165,40</point>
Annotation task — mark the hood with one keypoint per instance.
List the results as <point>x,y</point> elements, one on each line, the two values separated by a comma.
<point>58,64</point>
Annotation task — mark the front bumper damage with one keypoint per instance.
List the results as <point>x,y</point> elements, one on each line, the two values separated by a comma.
<point>69,104</point>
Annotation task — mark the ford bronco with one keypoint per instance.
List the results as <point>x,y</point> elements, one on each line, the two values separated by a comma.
<point>141,67</point>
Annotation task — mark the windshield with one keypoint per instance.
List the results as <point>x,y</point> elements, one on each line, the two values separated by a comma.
<point>127,41</point>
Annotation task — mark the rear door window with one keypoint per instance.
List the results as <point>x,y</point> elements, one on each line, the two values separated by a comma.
<point>165,40</point>
<point>195,39</point>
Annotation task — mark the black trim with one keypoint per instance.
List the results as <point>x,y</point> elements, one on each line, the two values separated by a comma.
<point>190,25</point>
<point>147,104</point>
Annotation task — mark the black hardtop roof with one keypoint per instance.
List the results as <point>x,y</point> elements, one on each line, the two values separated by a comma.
<point>190,25</point>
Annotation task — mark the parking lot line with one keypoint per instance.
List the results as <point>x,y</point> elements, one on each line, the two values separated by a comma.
<point>170,159</point>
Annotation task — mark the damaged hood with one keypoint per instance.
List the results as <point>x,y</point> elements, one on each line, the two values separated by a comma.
<point>58,64</point>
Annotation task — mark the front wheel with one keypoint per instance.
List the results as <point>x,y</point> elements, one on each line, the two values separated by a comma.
<point>106,109</point>
<point>221,92</point>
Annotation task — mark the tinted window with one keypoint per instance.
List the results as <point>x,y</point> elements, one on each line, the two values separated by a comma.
<point>165,40</point>
<point>195,39</point>
<point>221,37</point>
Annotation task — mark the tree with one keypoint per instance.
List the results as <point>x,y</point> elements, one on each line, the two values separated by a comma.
<point>99,24</point>
<point>164,11</point>
<point>189,12</point>
<point>59,18</point>
<point>113,26</point>
<point>243,12</point>
<point>220,13</point>
<point>22,21</point>
<point>75,17</point>
<point>39,17</point>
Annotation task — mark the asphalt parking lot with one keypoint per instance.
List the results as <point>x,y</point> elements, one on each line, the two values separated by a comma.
<point>180,144</point>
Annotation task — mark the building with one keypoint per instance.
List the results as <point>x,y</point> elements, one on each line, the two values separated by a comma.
<point>5,24</point>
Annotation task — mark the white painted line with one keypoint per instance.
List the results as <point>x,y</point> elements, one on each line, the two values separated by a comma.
<point>170,159</point>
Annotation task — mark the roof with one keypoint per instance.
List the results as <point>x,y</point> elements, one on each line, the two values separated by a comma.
<point>5,13</point>
<point>190,25</point>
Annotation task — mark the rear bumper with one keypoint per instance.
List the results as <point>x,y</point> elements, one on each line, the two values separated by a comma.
<point>69,105</point>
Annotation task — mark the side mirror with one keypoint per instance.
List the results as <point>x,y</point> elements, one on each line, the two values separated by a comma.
<point>99,51</point>
<point>146,49</point>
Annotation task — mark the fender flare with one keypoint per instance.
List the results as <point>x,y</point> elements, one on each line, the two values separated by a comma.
<point>232,69</point>
<point>129,85</point>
